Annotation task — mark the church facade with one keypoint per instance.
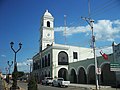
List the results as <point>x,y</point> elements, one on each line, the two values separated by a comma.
<point>70,62</point>
<point>53,59</point>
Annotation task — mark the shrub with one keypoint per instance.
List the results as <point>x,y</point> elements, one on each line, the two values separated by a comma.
<point>32,84</point>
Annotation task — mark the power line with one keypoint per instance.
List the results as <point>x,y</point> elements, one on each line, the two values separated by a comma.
<point>103,5</point>
<point>104,9</point>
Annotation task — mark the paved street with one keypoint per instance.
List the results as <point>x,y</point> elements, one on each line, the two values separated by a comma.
<point>71,87</point>
<point>44,87</point>
<point>22,85</point>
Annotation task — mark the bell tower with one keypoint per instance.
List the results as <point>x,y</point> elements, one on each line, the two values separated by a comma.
<point>46,30</point>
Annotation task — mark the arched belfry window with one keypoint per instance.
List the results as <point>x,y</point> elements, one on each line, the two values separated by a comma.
<point>48,24</point>
<point>62,58</point>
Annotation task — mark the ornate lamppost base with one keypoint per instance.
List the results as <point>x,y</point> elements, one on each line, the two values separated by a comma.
<point>14,88</point>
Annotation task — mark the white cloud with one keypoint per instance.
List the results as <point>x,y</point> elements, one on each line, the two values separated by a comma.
<point>3,55</point>
<point>117,22</point>
<point>29,60</point>
<point>24,66</point>
<point>72,30</point>
<point>105,30</point>
<point>25,62</point>
<point>106,50</point>
<point>21,63</point>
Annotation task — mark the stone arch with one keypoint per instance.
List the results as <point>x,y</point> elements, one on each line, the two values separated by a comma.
<point>62,58</point>
<point>49,59</point>
<point>46,61</point>
<point>81,67</point>
<point>73,76</point>
<point>71,69</point>
<point>63,73</point>
<point>91,74</point>
<point>107,77</point>
<point>82,77</point>
<point>102,64</point>
<point>88,67</point>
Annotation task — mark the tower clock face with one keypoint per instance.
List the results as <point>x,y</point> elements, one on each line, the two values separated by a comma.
<point>48,35</point>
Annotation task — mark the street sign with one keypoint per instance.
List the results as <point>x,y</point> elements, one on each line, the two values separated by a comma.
<point>114,67</point>
<point>98,71</point>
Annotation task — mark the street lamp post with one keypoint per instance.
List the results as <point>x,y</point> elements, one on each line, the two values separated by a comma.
<point>6,69</point>
<point>30,70</point>
<point>30,65</point>
<point>9,68</point>
<point>15,72</point>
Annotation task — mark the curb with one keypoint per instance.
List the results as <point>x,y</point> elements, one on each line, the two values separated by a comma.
<point>79,86</point>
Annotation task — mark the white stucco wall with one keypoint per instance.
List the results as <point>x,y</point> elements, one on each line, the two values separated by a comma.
<point>83,53</point>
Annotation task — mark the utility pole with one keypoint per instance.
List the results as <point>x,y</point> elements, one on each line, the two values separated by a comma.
<point>30,66</point>
<point>90,22</point>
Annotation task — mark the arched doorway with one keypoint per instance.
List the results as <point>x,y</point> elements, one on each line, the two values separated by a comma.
<point>82,79</point>
<point>73,76</point>
<point>42,76</point>
<point>107,77</point>
<point>63,73</point>
<point>91,75</point>
<point>49,74</point>
<point>45,74</point>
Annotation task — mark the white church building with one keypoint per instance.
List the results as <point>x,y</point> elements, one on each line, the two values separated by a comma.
<point>70,62</point>
<point>53,59</point>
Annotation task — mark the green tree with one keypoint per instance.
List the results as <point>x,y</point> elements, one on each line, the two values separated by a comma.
<point>20,73</point>
<point>32,84</point>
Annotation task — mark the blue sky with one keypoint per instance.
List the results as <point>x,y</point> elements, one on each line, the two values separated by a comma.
<point>20,22</point>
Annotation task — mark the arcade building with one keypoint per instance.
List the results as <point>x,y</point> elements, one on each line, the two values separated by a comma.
<point>70,62</point>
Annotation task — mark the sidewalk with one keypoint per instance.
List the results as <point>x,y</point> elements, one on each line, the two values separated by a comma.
<point>7,86</point>
<point>1,85</point>
<point>87,86</point>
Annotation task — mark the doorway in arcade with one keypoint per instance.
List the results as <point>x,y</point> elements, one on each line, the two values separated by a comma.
<point>63,73</point>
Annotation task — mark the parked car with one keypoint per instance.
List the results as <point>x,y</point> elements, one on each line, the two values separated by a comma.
<point>47,80</point>
<point>60,82</point>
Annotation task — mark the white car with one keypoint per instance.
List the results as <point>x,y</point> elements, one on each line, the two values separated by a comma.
<point>60,82</point>
<point>47,80</point>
